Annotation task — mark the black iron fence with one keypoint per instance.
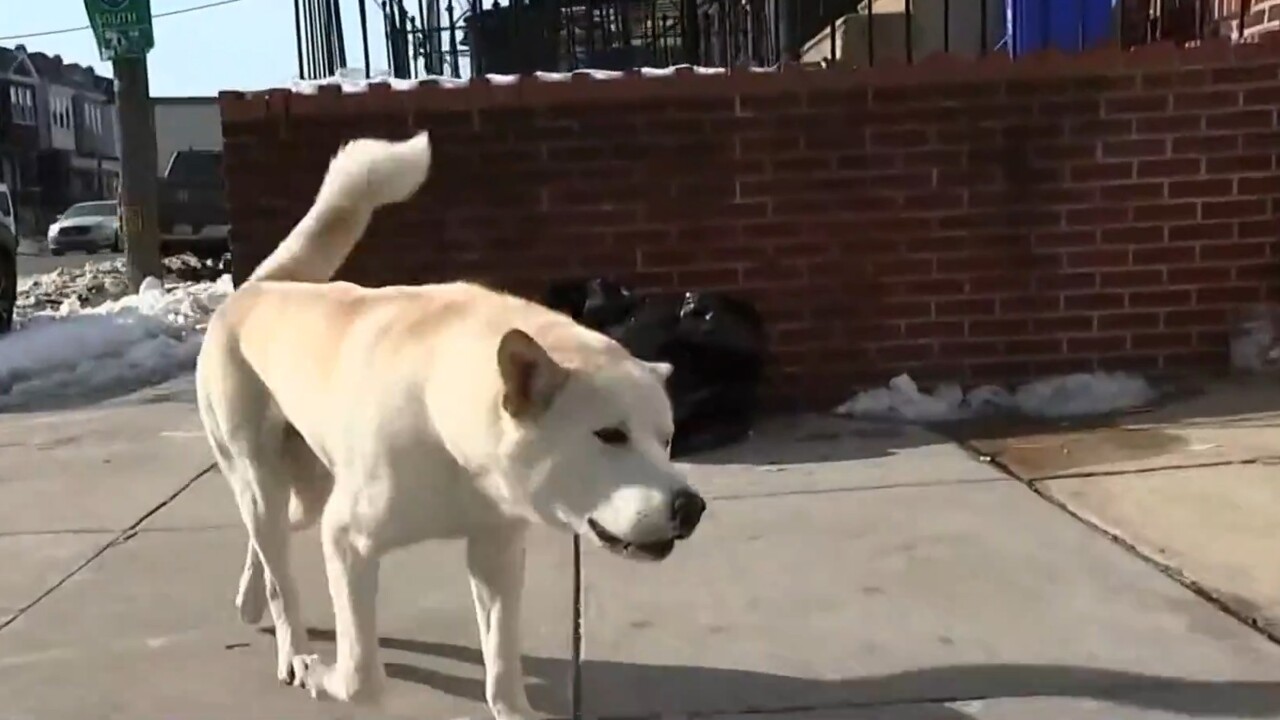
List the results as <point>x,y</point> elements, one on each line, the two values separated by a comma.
<point>463,38</point>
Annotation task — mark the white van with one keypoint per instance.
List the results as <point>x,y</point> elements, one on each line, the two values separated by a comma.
<point>6,210</point>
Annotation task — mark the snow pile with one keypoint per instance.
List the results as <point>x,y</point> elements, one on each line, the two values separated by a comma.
<point>83,353</point>
<point>97,282</point>
<point>352,80</point>
<point>1060,396</point>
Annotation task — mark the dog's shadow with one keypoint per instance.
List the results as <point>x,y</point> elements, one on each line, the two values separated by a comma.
<point>914,695</point>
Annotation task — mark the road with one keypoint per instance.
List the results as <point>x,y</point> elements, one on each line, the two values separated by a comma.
<point>29,265</point>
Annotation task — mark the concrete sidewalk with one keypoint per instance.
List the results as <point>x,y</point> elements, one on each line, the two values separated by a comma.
<point>844,570</point>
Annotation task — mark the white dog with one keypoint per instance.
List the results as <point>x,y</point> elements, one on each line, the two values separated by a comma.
<point>402,414</point>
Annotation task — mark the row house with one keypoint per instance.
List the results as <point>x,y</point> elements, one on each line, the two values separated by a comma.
<point>58,134</point>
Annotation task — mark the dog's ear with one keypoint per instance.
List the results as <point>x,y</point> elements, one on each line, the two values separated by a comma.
<point>661,370</point>
<point>530,377</point>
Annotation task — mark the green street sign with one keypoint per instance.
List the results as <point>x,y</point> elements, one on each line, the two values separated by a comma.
<point>121,27</point>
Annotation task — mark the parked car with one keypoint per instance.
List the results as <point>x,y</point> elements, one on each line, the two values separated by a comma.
<point>8,276</point>
<point>88,226</point>
<point>192,206</point>
<point>8,217</point>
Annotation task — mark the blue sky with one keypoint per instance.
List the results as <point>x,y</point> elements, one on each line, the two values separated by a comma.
<point>246,45</point>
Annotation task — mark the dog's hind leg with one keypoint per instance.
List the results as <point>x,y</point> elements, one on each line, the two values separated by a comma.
<point>351,564</point>
<point>310,485</point>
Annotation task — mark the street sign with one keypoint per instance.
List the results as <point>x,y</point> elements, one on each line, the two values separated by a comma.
<point>121,27</point>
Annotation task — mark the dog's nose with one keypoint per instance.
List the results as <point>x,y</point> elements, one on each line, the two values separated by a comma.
<point>687,507</point>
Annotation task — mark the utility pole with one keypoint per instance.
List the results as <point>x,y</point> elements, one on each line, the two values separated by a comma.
<point>122,29</point>
<point>139,214</point>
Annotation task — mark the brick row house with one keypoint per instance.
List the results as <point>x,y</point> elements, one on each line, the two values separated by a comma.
<point>58,135</point>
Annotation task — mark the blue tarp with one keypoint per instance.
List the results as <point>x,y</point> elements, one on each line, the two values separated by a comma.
<point>1068,25</point>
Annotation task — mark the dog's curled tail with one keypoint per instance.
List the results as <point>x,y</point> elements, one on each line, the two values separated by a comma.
<point>363,175</point>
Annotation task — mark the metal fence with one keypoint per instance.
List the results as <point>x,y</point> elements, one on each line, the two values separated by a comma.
<point>462,38</point>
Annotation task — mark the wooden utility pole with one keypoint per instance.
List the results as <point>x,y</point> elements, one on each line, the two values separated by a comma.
<point>123,32</point>
<point>139,212</point>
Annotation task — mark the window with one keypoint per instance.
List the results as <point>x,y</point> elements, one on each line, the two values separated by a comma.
<point>22,103</point>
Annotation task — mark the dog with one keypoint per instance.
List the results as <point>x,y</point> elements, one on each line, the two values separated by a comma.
<point>396,415</point>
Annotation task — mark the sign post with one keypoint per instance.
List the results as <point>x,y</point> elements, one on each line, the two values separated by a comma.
<point>123,31</point>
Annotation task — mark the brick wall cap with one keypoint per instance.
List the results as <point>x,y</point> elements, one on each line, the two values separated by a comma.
<point>350,93</point>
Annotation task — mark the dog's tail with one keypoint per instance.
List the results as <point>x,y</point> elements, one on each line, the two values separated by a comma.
<point>363,175</point>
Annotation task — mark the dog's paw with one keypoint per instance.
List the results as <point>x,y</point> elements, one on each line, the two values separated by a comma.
<point>251,607</point>
<point>514,711</point>
<point>330,682</point>
<point>293,671</point>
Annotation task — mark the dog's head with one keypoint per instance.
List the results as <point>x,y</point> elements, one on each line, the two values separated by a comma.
<point>589,448</point>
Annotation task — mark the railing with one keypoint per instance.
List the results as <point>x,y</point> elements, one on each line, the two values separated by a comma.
<point>462,38</point>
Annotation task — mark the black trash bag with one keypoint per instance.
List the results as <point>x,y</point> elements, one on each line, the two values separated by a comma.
<point>597,303</point>
<point>715,343</point>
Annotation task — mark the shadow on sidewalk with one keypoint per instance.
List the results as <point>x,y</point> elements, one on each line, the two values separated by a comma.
<point>728,691</point>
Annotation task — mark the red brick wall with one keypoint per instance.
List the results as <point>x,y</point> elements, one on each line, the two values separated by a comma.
<point>955,219</point>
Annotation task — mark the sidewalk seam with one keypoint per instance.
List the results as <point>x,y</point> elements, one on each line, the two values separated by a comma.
<point>1166,569</point>
<point>122,537</point>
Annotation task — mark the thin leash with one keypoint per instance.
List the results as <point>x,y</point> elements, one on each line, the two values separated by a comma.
<point>575,680</point>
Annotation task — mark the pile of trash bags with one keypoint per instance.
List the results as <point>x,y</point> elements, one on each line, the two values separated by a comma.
<point>715,343</point>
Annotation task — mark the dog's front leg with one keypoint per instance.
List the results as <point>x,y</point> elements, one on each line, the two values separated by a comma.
<point>352,568</point>
<point>496,562</point>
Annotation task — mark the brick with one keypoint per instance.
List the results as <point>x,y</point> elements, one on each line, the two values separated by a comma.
<point>1070,238</point>
<point>1097,216</point>
<point>1132,235</point>
<point>1129,320</point>
<point>1094,172</point>
<point>1206,100</point>
<point>1130,278</point>
<point>1130,148</point>
<point>1252,162</point>
<point>1233,209</point>
<point>1266,228</point>
<point>1169,212</point>
<point>1058,282</point>
<point>1233,250</point>
<point>965,307</point>
<point>1168,124</point>
<point>1136,104</point>
<point>1195,317</point>
<point>1024,347</point>
<point>1128,192</point>
<point>933,329</point>
<point>1191,232</point>
<point>904,352</point>
<point>1252,119</point>
<point>998,327</point>
<point>1063,324</point>
<point>1096,258</point>
<point>1159,299</point>
<point>1199,275</point>
<point>1112,342</point>
<point>1170,167</point>
<point>1258,185</point>
<point>1206,188</point>
<point>1160,340</point>
<point>1228,294</point>
<point>1165,254</point>
<point>1092,302</point>
<point>1202,145</point>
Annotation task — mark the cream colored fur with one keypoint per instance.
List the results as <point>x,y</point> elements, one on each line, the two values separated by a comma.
<point>403,414</point>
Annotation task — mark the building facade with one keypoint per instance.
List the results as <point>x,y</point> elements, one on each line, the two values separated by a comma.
<point>58,134</point>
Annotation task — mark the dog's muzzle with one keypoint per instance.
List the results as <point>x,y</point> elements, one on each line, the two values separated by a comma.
<point>687,508</point>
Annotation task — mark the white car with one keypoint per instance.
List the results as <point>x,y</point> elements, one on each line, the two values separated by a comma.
<point>89,226</point>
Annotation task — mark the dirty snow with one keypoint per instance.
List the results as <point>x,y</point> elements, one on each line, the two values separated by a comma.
<point>353,80</point>
<point>80,336</point>
<point>1060,396</point>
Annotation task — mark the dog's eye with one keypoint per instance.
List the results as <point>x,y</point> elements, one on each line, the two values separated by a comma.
<point>612,436</point>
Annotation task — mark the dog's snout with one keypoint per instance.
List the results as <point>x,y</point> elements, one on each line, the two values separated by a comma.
<point>687,507</point>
